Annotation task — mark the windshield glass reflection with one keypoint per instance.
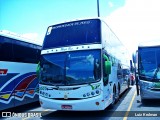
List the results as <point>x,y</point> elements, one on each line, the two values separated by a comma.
<point>71,68</point>
<point>149,66</point>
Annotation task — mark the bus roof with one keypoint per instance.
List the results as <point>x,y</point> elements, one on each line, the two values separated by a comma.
<point>78,19</point>
<point>151,43</point>
<point>18,37</point>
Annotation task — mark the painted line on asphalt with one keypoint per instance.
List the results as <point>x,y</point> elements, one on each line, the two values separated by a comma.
<point>130,105</point>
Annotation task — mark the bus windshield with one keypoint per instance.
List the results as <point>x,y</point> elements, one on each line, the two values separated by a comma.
<point>149,63</point>
<point>72,33</point>
<point>71,68</point>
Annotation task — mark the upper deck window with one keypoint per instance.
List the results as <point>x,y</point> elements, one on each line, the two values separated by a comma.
<point>72,33</point>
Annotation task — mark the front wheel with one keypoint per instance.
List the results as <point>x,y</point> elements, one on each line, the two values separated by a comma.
<point>117,94</point>
<point>128,84</point>
<point>143,101</point>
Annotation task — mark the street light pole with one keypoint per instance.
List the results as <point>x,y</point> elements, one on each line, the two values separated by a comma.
<point>98,8</point>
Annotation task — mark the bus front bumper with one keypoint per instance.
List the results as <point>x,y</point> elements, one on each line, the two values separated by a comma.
<point>147,93</point>
<point>90,104</point>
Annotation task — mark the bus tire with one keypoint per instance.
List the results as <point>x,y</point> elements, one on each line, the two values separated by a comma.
<point>143,101</point>
<point>117,93</point>
<point>128,84</point>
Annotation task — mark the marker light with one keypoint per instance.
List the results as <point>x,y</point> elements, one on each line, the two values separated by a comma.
<point>97,103</point>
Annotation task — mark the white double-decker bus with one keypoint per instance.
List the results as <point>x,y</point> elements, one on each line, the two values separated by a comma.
<point>81,66</point>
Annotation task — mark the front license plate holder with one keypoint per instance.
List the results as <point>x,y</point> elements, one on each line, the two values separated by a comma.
<point>66,107</point>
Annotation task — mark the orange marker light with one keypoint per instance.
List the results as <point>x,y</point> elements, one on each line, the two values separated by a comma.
<point>97,103</point>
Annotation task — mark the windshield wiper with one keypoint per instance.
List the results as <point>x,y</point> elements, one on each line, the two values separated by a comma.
<point>65,82</point>
<point>157,70</point>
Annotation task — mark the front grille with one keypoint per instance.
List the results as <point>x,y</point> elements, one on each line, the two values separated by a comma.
<point>67,99</point>
<point>72,98</point>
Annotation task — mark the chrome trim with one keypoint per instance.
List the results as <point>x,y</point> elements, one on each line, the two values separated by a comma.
<point>72,48</point>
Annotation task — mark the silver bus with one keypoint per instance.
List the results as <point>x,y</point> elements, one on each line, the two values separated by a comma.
<point>148,57</point>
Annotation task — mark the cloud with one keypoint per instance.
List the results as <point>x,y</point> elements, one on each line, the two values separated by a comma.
<point>136,21</point>
<point>110,4</point>
<point>33,37</point>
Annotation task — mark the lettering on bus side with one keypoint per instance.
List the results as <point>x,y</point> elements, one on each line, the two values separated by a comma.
<point>65,89</point>
<point>71,24</point>
<point>3,71</point>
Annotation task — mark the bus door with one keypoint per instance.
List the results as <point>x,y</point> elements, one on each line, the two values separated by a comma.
<point>106,73</point>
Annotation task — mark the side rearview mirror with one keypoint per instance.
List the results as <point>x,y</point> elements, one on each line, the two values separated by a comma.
<point>134,58</point>
<point>107,67</point>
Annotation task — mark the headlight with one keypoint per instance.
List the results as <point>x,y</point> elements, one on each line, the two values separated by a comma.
<point>92,93</point>
<point>97,91</point>
<point>44,94</point>
<point>144,84</point>
<point>84,95</point>
<point>88,94</point>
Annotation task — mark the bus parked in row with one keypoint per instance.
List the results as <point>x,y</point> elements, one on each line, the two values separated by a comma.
<point>81,66</point>
<point>148,60</point>
<point>18,62</point>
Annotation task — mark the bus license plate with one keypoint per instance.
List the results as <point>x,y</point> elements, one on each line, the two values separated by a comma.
<point>68,107</point>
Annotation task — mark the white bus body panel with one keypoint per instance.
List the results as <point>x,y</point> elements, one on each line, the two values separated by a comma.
<point>75,98</point>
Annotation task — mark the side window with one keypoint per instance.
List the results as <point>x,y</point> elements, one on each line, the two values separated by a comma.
<point>97,69</point>
<point>119,71</point>
<point>24,52</point>
<point>6,53</point>
<point>17,51</point>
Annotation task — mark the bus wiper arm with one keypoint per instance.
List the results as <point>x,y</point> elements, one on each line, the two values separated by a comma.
<point>157,70</point>
<point>65,81</point>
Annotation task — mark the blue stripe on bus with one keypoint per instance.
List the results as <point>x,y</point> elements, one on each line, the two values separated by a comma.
<point>6,78</point>
<point>9,89</point>
<point>16,81</point>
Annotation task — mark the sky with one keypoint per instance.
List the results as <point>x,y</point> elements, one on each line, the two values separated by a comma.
<point>133,21</point>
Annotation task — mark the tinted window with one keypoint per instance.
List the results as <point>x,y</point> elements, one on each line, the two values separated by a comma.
<point>27,54</point>
<point>72,33</point>
<point>18,51</point>
<point>6,48</point>
<point>70,68</point>
<point>149,63</point>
